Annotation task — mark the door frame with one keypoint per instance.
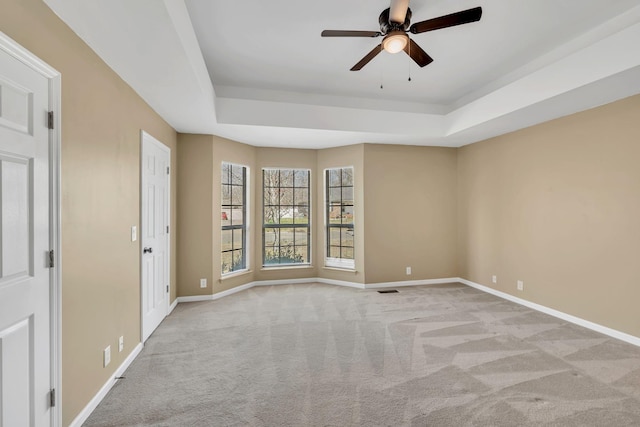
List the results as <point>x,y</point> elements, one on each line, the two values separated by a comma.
<point>11,47</point>
<point>145,136</point>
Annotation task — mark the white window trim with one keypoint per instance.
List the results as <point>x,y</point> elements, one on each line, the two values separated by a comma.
<point>341,263</point>
<point>308,264</point>
<point>247,223</point>
<point>338,263</point>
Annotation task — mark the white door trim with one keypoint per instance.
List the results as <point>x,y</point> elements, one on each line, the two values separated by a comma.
<point>148,137</point>
<point>11,47</point>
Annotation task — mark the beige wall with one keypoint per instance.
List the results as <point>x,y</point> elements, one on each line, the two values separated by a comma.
<point>195,207</point>
<point>410,206</point>
<point>101,122</point>
<point>558,206</point>
<point>200,167</point>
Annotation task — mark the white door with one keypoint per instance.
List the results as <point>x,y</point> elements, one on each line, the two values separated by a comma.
<point>156,158</point>
<point>25,348</point>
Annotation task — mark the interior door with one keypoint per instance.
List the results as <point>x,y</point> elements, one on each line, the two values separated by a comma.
<point>156,158</point>
<point>25,342</point>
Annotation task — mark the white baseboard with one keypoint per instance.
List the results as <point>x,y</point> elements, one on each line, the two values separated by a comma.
<point>194,298</point>
<point>340,283</point>
<point>356,285</point>
<point>93,403</point>
<point>197,298</point>
<point>411,283</point>
<point>285,282</point>
<point>216,296</point>
<point>173,305</point>
<point>232,291</point>
<point>555,313</point>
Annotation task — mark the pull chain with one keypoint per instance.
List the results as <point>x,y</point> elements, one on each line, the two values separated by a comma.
<point>381,70</point>
<point>409,62</point>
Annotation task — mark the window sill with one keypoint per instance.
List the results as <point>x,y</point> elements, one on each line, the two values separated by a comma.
<point>342,269</point>
<point>234,274</point>
<point>287,267</point>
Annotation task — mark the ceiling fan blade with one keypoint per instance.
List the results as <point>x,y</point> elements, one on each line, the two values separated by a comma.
<point>368,57</point>
<point>348,33</point>
<point>398,11</point>
<point>451,20</point>
<point>417,54</point>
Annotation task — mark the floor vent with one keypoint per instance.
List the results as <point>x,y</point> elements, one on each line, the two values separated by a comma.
<point>388,291</point>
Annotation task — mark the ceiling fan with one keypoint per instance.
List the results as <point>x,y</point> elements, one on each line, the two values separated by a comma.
<point>394,25</point>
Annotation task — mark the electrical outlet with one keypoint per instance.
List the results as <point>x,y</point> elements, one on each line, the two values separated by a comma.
<point>107,356</point>
<point>203,283</point>
<point>120,344</point>
<point>494,279</point>
<point>520,285</point>
<point>408,271</point>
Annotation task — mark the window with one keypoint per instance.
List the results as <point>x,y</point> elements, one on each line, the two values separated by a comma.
<point>233,218</point>
<point>339,217</point>
<point>286,231</point>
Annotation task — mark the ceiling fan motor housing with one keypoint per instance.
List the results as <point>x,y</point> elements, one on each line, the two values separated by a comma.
<point>386,26</point>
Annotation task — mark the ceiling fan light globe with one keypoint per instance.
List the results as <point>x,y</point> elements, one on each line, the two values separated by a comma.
<point>395,43</point>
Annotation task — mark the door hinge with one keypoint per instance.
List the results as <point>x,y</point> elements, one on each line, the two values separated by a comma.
<point>51,259</point>
<point>167,288</point>
<point>52,397</point>
<point>167,228</point>
<point>50,120</point>
<point>167,170</point>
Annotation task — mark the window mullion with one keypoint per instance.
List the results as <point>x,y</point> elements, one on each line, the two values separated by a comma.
<point>279,201</point>
<point>234,184</point>
<point>339,217</point>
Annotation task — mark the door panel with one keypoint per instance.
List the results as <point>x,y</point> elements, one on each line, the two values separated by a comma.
<point>15,175</point>
<point>148,274</point>
<point>25,346</point>
<point>15,388</point>
<point>160,283</point>
<point>155,236</point>
<point>15,107</point>
<point>150,227</point>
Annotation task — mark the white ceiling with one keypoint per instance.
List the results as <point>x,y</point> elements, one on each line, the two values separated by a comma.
<point>259,72</point>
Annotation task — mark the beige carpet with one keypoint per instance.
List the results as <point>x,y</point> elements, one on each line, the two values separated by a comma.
<point>320,355</point>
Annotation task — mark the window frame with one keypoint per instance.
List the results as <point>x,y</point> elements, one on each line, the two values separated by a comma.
<point>293,225</point>
<point>333,262</point>
<point>245,219</point>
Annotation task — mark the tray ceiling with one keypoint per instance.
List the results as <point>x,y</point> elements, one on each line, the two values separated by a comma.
<point>259,72</point>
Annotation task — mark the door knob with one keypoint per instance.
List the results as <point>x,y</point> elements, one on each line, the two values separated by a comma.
<point>147,250</point>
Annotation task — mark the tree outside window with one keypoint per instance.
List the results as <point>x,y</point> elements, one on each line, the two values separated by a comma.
<point>286,230</point>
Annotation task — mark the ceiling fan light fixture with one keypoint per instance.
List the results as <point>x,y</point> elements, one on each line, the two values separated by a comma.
<point>395,42</point>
